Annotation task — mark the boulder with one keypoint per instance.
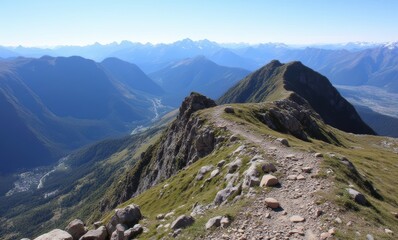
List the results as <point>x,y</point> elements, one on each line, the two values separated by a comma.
<point>229,109</point>
<point>56,234</point>
<point>357,196</point>
<point>268,181</point>
<point>97,234</point>
<point>198,210</point>
<point>133,232</point>
<point>182,221</point>
<point>268,167</point>
<point>283,141</point>
<point>128,216</point>
<point>214,222</point>
<point>271,203</point>
<point>76,229</point>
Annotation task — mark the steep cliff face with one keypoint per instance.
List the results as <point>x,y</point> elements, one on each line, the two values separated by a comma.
<point>186,140</point>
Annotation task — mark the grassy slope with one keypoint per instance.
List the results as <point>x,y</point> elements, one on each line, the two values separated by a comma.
<point>376,165</point>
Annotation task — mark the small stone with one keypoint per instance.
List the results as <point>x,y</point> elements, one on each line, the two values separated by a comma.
<point>268,181</point>
<point>357,196</point>
<point>325,235</point>
<point>272,203</point>
<point>296,219</point>
<point>225,222</point>
<point>213,222</point>
<point>349,224</point>
<point>169,215</point>
<point>332,231</point>
<point>318,155</point>
<point>318,212</point>
<point>307,169</point>
<point>395,214</point>
<point>388,231</point>
<point>291,156</point>
<point>229,109</point>
<point>369,237</point>
<point>160,216</point>
<point>221,163</point>
<point>300,177</point>
<point>182,222</point>
<point>338,220</point>
<point>292,177</point>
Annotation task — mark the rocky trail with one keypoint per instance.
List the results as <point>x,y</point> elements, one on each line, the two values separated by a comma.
<point>300,215</point>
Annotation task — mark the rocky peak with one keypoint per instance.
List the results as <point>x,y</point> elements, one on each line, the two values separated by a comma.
<point>194,102</point>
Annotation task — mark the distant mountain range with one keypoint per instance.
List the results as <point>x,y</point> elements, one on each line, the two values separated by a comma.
<point>355,63</point>
<point>196,74</point>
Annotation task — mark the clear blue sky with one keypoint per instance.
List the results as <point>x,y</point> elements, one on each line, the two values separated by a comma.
<point>81,22</point>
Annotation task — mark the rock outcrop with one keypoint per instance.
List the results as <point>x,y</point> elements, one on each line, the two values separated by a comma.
<point>185,141</point>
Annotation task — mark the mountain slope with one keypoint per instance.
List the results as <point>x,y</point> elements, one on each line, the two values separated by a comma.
<point>278,81</point>
<point>197,74</point>
<point>61,104</point>
<point>131,76</point>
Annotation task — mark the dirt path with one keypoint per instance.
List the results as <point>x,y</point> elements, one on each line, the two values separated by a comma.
<point>296,197</point>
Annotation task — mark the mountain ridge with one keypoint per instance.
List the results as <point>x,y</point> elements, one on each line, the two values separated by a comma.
<point>278,81</point>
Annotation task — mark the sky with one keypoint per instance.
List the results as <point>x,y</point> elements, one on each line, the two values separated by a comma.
<point>83,22</point>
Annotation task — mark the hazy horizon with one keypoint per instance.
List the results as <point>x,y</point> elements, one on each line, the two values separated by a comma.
<point>44,23</point>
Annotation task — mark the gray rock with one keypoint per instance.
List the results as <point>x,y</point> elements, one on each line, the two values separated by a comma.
<point>231,179</point>
<point>283,141</point>
<point>176,233</point>
<point>268,167</point>
<point>25,239</point>
<point>118,234</point>
<point>223,195</point>
<point>233,138</point>
<point>268,181</point>
<point>202,171</point>
<point>133,232</point>
<point>272,203</point>
<point>98,224</point>
<point>318,155</point>
<point>160,216</point>
<point>76,229</point>
<point>221,163</point>
<point>214,222</point>
<point>229,109</point>
<point>56,234</point>
<point>357,196</point>
<point>198,210</point>
<point>214,173</point>
<point>235,165</point>
<point>128,216</point>
<point>97,234</point>
<point>225,222</point>
<point>182,221</point>
<point>369,237</point>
